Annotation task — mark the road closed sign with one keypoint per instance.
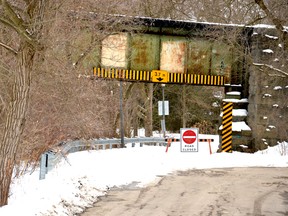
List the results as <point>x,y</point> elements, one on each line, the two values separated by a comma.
<point>189,139</point>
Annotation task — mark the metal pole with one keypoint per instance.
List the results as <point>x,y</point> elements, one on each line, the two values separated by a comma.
<point>121,116</point>
<point>163,110</point>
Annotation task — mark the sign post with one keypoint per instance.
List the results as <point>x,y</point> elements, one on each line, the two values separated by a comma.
<point>189,139</point>
<point>163,108</point>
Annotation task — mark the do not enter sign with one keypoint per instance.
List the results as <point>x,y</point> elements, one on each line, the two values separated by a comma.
<point>189,139</point>
<point>189,136</point>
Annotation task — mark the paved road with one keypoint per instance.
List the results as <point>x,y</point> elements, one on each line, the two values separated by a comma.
<point>233,192</point>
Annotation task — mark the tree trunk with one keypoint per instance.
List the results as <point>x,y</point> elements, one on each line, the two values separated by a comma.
<point>135,125</point>
<point>15,120</point>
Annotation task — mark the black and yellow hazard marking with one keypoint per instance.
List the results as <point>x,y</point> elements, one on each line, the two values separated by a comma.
<point>122,74</point>
<point>196,79</point>
<point>159,76</point>
<point>227,127</point>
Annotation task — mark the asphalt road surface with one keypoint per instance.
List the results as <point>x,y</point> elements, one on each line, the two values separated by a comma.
<point>233,191</point>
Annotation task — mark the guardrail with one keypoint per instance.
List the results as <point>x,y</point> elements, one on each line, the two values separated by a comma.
<point>53,156</point>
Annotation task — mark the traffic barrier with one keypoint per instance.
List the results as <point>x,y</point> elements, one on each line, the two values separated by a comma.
<point>208,140</point>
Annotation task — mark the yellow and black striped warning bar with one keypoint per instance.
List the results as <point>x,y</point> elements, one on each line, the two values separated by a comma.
<point>196,79</point>
<point>227,127</point>
<point>158,76</point>
<point>126,75</point>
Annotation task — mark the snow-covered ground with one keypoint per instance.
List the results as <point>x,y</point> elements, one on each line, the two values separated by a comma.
<point>75,184</point>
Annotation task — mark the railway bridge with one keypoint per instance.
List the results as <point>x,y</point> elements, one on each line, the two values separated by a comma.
<point>246,61</point>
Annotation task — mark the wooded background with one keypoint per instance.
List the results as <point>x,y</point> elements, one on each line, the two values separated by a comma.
<point>46,95</point>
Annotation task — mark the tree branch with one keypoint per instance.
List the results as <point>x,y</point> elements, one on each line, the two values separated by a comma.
<point>271,67</point>
<point>16,23</point>
<point>8,48</point>
<point>277,22</point>
<point>12,15</point>
<point>24,34</point>
<point>256,20</point>
<point>7,23</point>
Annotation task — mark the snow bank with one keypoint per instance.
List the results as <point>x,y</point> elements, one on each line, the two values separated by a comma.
<point>73,186</point>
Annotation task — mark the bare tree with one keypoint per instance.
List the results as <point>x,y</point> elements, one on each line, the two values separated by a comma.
<point>46,41</point>
<point>278,19</point>
<point>24,20</point>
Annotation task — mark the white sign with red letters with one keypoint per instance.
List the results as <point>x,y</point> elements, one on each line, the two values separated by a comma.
<point>189,139</point>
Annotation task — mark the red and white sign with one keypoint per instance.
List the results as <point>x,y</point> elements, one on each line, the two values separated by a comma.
<point>189,139</point>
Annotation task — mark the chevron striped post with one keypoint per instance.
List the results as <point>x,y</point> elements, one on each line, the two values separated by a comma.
<point>227,127</point>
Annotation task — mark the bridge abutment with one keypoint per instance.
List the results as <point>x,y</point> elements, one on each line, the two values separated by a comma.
<point>268,89</point>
